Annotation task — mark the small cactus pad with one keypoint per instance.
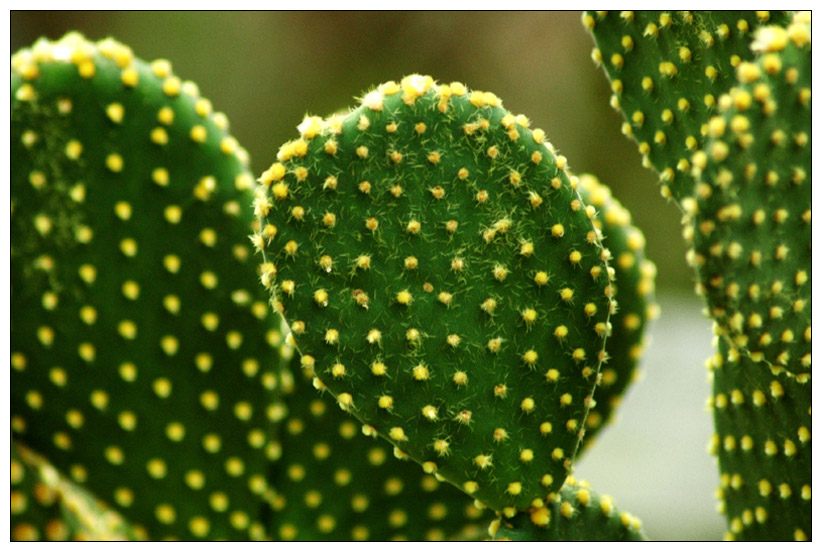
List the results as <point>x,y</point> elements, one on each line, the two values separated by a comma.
<point>667,71</point>
<point>575,513</point>
<point>45,505</point>
<point>141,345</point>
<point>335,484</point>
<point>763,443</point>
<point>634,293</point>
<point>751,218</point>
<point>444,280</point>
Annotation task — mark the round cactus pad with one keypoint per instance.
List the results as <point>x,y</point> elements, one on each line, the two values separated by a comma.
<point>444,280</point>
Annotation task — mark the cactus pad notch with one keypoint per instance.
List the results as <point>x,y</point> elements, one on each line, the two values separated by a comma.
<point>142,349</point>
<point>443,278</point>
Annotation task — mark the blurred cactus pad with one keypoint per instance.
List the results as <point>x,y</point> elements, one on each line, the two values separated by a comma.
<point>142,347</point>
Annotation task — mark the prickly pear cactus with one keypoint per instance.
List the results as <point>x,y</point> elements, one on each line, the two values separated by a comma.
<point>444,280</point>
<point>335,484</point>
<point>751,217</point>
<point>575,513</point>
<point>763,443</point>
<point>142,352</point>
<point>634,276</point>
<point>45,505</point>
<point>667,72</point>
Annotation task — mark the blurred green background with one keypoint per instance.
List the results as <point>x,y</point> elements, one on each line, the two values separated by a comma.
<point>266,70</point>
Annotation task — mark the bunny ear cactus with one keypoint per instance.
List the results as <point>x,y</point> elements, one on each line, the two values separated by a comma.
<point>762,441</point>
<point>444,280</point>
<point>634,291</point>
<point>575,513</point>
<point>46,505</point>
<point>333,483</point>
<point>143,356</point>
<point>667,72</point>
<point>751,217</point>
<point>745,188</point>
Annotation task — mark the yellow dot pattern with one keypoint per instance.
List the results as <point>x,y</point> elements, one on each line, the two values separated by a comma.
<point>575,512</point>
<point>147,353</point>
<point>763,444</point>
<point>749,225</point>
<point>335,483</point>
<point>464,253</point>
<point>654,61</point>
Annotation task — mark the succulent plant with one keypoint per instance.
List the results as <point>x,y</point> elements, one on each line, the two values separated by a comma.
<point>143,351</point>
<point>743,179</point>
<point>634,291</point>
<point>336,484</point>
<point>46,505</point>
<point>750,222</point>
<point>667,72</point>
<point>443,279</point>
<point>474,309</point>
<point>762,442</point>
<point>575,513</point>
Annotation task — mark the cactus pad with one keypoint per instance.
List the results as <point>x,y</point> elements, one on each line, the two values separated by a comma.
<point>634,288</point>
<point>46,505</point>
<point>667,71</point>
<point>335,484</point>
<point>762,441</point>
<point>575,513</point>
<point>141,346</point>
<point>751,219</point>
<point>443,279</point>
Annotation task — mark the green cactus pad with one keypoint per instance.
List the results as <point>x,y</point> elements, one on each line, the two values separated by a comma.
<point>634,276</point>
<point>575,513</point>
<point>762,441</point>
<point>335,484</point>
<point>751,219</point>
<point>667,71</point>
<point>444,280</point>
<point>45,505</point>
<point>141,345</point>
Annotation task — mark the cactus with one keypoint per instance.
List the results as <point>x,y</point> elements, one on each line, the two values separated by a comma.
<point>634,292</point>
<point>334,483</point>
<point>46,505</point>
<point>142,349</point>
<point>746,193</point>
<point>575,513</point>
<point>443,279</point>
<point>667,71</point>
<point>762,441</point>
<point>750,222</point>
<point>474,308</point>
